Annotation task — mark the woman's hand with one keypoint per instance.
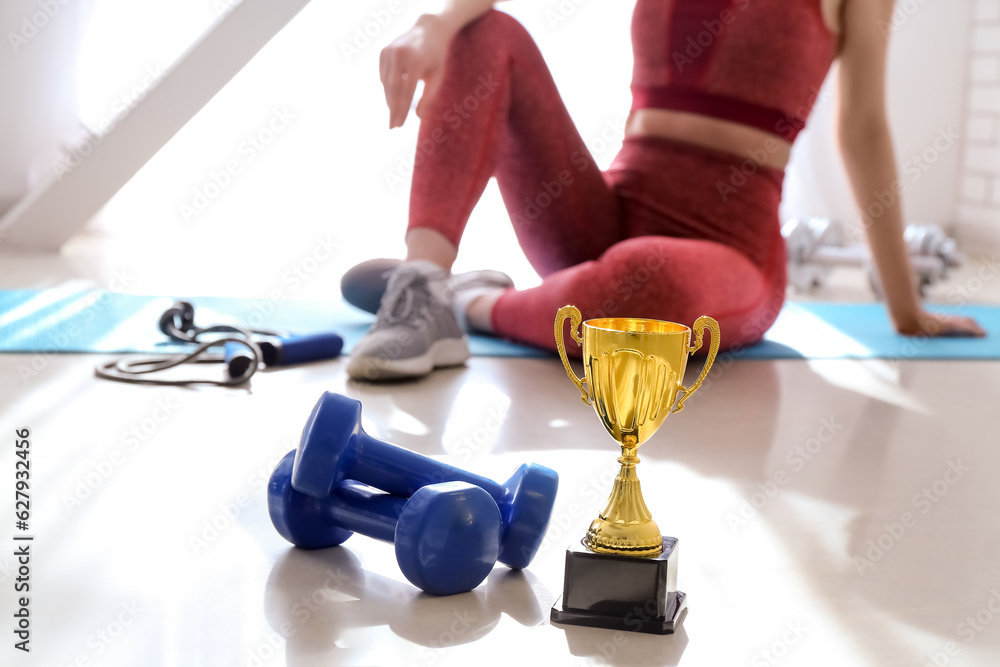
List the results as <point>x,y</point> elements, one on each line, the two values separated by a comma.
<point>939,324</point>
<point>418,54</point>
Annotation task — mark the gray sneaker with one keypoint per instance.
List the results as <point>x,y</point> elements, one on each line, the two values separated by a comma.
<point>363,285</point>
<point>415,329</point>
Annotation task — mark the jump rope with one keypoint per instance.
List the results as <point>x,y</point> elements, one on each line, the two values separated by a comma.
<point>244,351</point>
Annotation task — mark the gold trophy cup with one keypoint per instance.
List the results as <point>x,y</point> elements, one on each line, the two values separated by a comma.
<point>633,368</point>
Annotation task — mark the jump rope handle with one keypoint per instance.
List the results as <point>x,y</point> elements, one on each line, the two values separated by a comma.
<point>290,350</point>
<point>285,351</point>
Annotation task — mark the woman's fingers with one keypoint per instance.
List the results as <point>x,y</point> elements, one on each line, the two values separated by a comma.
<point>407,86</point>
<point>937,324</point>
<point>963,326</point>
<point>392,80</point>
<point>400,70</point>
<point>384,66</point>
<point>431,84</point>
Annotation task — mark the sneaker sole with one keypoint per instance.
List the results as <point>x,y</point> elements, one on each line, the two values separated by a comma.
<point>441,354</point>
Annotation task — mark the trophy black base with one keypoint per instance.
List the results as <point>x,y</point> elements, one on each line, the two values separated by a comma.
<point>621,592</point>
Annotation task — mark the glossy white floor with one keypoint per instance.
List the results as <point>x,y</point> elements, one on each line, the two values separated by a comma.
<point>835,512</point>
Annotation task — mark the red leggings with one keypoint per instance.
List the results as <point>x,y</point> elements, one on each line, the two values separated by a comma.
<point>670,231</point>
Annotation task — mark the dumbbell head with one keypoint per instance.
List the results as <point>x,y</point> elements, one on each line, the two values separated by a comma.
<point>327,445</point>
<point>932,252</point>
<point>530,494</point>
<point>448,537</point>
<point>806,240</point>
<point>303,520</point>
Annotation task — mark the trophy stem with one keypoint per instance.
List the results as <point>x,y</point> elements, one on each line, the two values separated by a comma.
<point>625,527</point>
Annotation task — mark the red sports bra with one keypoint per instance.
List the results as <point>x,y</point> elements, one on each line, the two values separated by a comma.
<point>756,62</point>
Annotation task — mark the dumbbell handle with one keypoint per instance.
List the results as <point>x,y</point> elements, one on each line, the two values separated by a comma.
<point>401,472</point>
<point>857,256</point>
<point>361,509</point>
<point>853,255</point>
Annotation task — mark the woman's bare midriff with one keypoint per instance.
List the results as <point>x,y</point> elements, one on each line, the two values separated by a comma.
<point>764,148</point>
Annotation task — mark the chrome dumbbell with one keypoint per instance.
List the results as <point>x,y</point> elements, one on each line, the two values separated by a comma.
<point>816,246</point>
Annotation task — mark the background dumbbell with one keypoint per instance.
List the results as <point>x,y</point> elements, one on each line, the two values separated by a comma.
<point>932,253</point>
<point>334,447</point>
<point>446,536</point>
<point>816,246</point>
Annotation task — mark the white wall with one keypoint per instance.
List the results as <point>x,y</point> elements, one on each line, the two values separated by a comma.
<point>925,100</point>
<point>37,75</point>
<point>153,33</point>
<point>978,211</point>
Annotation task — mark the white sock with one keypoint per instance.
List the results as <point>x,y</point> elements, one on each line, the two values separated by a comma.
<point>464,299</point>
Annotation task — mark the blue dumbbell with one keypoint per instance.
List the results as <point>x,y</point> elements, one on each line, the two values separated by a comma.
<point>334,447</point>
<point>447,536</point>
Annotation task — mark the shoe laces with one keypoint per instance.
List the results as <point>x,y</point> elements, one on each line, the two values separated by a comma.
<point>406,294</point>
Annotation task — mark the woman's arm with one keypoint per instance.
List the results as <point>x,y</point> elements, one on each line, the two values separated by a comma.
<point>866,147</point>
<point>420,53</point>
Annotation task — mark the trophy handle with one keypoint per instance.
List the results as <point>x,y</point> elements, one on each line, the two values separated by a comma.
<point>702,323</point>
<point>575,318</point>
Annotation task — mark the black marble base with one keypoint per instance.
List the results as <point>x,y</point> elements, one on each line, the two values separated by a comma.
<point>621,592</point>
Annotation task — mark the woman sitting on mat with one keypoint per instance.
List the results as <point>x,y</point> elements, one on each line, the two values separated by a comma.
<point>667,231</point>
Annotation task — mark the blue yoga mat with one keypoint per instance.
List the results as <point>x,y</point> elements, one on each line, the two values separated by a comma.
<point>71,320</point>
